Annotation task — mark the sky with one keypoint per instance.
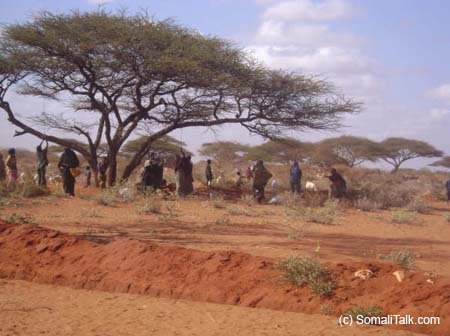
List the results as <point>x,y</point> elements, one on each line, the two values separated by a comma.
<point>393,56</point>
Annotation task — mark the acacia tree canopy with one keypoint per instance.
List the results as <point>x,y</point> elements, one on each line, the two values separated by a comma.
<point>444,162</point>
<point>126,72</point>
<point>349,150</point>
<point>281,150</point>
<point>395,151</point>
<point>224,151</point>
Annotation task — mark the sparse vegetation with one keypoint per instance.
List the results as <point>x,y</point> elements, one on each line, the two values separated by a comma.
<point>239,211</point>
<point>326,310</point>
<point>307,271</point>
<point>106,198</point>
<point>447,217</point>
<point>404,217</point>
<point>417,204</point>
<point>19,219</point>
<point>31,190</point>
<point>403,258</point>
<point>368,311</point>
<point>150,207</point>
<point>322,215</point>
<point>366,204</point>
<point>222,221</point>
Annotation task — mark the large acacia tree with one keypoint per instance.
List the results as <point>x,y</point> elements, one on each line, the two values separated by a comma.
<point>119,73</point>
<point>396,151</point>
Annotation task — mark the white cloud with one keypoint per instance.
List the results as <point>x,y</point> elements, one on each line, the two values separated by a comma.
<point>438,114</point>
<point>312,46</point>
<point>308,10</point>
<point>440,93</point>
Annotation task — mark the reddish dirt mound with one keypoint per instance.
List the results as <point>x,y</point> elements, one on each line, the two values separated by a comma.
<point>123,265</point>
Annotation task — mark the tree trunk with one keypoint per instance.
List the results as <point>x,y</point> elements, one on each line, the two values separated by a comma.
<point>112,169</point>
<point>133,164</point>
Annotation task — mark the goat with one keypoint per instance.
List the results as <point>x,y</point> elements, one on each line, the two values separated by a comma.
<point>310,186</point>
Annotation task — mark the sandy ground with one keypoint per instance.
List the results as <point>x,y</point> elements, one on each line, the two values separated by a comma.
<point>34,309</point>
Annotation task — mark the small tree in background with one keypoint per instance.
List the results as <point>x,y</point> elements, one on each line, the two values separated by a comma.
<point>349,150</point>
<point>281,150</point>
<point>444,162</point>
<point>224,151</point>
<point>396,151</point>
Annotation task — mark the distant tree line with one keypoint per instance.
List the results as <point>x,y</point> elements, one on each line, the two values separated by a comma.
<point>348,150</point>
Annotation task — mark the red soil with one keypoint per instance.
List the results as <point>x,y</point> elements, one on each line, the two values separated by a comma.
<point>131,266</point>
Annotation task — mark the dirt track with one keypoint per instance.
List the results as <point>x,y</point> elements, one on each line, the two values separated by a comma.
<point>130,266</point>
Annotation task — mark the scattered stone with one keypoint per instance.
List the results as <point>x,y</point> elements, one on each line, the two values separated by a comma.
<point>363,274</point>
<point>399,275</point>
<point>430,281</point>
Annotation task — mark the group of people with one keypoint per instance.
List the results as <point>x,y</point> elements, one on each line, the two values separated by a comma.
<point>153,172</point>
<point>259,176</point>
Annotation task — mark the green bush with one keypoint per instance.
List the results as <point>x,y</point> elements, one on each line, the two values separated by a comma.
<point>309,272</point>
<point>323,215</point>
<point>369,311</point>
<point>404,217</point>
<point>403,258</point>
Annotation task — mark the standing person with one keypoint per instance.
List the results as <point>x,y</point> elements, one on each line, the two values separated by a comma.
<point>260,178</point>
<point>239,181</point>
<point>158,173</point>
<point>102,168</point>
<point>11,167</point>
<point>146,177</point>
<point>2,169</point>
<point>87,176</point>
<point>208,173</point>
<point>295,178</point>
<point>67,162</point>
<point>447,184</point>
<point>338,184</point>
<point>42,163</point>
<point>183,175</point>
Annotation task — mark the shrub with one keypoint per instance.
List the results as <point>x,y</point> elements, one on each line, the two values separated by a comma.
<point>323,215</point>
<point>219,203</point>
<point>151,207</point>
<point>31,190</point>
<point>366,204</point>
<point>314,199</point>
<point>106,198</point>
<point>307,271</point>
<point>369,311</point>
<point>19,219</point>
<point>404,217</point>
<point>238,211</point>
<point>447,217</point>
<point>417,204</point>
<point>403,258</point>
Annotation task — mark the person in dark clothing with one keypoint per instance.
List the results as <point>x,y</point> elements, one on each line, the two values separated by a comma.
<point>2,169</point>
<point>157,173</point>
<point>338,184</point>
<point>447,184</point>
<point>261,177</point>
<point>67,162</point>
<point>42,163</point>
<point>295,178</point>
<point>183,175</point>
<point>102,168</point>
<point>208,174</point>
